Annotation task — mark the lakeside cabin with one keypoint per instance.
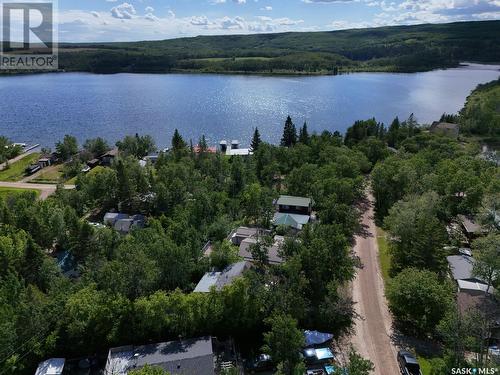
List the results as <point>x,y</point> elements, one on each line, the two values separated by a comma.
<point>293,212</point>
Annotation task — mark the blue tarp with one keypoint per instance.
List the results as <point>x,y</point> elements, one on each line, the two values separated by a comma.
<point>316,338</point>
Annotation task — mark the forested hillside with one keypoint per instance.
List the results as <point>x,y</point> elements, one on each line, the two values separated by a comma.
<point>481,114</point>
<point>398,48</point>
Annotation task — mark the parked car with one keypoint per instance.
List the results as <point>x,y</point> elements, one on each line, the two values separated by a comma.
<point>408,364</point>
<point>263,362</point>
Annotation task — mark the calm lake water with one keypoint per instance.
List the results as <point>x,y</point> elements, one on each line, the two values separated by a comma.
<point>43,108</point>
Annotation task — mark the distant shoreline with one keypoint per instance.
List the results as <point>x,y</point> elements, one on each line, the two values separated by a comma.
<point>263,73</point>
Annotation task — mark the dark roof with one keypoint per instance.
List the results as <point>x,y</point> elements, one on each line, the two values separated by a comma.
<point>470,225</point>
<point>409,358</point>
<point>192,356</point>
<point>273,255</point>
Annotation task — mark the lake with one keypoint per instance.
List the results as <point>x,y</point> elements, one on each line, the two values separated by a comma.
<point>43,108</point>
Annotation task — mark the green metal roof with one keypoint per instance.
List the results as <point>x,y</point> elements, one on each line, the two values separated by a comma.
<point>287,200</point>
<point>291,220</point>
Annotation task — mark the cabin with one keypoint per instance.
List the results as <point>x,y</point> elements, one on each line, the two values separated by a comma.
<point>292,212</point>
<point>294,205</point>
<point>109,157</point>
<point>219,280</point>
<point>273,252</point>
<point>470,227</point>
<point>191,356</point>
<point>445,128</point>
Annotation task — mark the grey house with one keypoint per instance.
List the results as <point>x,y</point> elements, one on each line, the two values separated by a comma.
<point>220,279</point>
<point>182,357</point>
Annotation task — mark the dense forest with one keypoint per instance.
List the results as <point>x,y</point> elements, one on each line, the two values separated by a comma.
<point>137,288</point>
<point>481,114</point>
<point>395,48</point>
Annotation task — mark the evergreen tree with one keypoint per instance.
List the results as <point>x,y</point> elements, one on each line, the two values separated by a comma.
<point>304,134</point>
<point>289,134</point>
<point>202,143</point>
<point>393,133</point>
<point>177,141</point>
<point>256,141</point>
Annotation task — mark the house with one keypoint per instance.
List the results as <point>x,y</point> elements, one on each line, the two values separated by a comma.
<point>125,225</point>
<point>445,128</point>
<point>474,288</point>
<point>108,158</point>
<point>294,221</point>
<point>294,205</point>
<point>273,253</point>
<point>470,227</point>
<point>294,212</point>
<point>181,357</point>
<point>461,268</point>
<point>44,162</point>
<point>234,149</point>
<point>239,234</point>
<point>53,366</point>
<point>220,279</point>
<point>93,163</point>
<point>211,150</point>
<point>110,218</point>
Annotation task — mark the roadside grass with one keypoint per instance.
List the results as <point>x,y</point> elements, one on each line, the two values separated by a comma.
<point>15,172</point>
<point>425,365</point>
<point>384,255</point>
<point>6,192</point>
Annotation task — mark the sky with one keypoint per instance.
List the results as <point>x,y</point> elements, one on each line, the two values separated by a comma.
<point>131,20</point>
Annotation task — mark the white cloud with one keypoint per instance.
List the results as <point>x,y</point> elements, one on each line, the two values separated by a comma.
<point>123,11</point>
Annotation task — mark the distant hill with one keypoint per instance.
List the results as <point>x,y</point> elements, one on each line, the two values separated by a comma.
<point>396,49</point>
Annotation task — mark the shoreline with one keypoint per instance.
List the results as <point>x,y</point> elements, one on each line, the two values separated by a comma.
<point>460,65</point>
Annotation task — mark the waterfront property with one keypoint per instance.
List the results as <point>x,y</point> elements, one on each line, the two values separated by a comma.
<point>293,212</point>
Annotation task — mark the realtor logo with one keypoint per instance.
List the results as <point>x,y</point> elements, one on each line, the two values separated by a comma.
<point>28,36</point>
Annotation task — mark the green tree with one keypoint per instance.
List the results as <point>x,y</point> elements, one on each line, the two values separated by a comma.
<point>356,365</point>
<point>289,138</point>
<point>96,146</point>
<point>150,370</point>
<point>256,141</point>
<point>304,135</point>
<point>487,255</point>
<point>67,148</point>
<point>417,236</point>
<point>178,142</point>
<point>419,299</point>
<point>284,341</point>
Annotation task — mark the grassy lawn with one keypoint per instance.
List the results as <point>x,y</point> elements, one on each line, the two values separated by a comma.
<point>425,365</point>
<point>51,176</point>
<point>5,192</point>
<point>384,256</point>
<point>15,172</point>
